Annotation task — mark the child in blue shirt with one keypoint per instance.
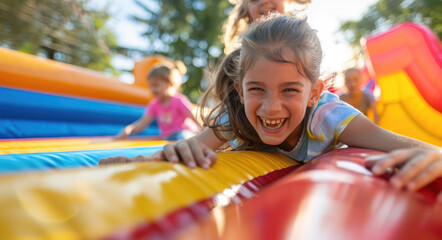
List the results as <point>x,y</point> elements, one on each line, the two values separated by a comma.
<point>271,98</point>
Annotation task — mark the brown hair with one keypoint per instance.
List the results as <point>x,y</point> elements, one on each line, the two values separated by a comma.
<point>170,71</point>
<point>239,19</point>
<point>353,69</point>
<point>267,37</point>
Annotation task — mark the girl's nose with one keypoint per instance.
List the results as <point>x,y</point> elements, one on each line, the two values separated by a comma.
<point>271,105</point>
<point>264,2</point>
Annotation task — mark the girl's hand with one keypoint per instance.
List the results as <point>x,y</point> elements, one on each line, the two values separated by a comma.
<point>191,151</point>
<point>121,135</point>
<point>121,159</point>
<point>417,167</point>
<point>195,151</point>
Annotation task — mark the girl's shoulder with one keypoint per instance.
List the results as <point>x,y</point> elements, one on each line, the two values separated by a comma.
<point>180,100</point>
<point>330,110</point>
<point>329,101</point>
<point>328,98</point>
<point>180,97</point>
<point>368,96</point>
<point>153,102</point>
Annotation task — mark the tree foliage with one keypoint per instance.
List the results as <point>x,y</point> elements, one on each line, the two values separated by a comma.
<point>187,30</point>
<point>386,13</point>
<point>63,30</point>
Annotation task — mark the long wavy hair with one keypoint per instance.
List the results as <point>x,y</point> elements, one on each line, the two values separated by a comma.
<point>268,37</point>
<point>239,19</point>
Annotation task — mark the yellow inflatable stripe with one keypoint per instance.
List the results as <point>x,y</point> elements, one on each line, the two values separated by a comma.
<point>406,112</point>
<point>419,109</point>
<point>64,145</point>
<point>92,203</point>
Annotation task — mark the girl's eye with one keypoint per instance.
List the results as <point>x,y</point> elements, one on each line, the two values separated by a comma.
<point>290,90</point>
<point>255,89</point>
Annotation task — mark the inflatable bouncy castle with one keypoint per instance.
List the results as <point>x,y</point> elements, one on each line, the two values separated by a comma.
<point>407,63</point>
<point>56,121</point>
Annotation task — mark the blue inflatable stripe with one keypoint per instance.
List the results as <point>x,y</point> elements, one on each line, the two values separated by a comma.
<point>19,128</point>
<point>26,114</point>
<point>21,104</point>
<point>13,163</point>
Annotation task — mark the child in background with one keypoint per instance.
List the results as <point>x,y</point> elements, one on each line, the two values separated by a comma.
<point>271,98</point>
<point>355,96</point>
<point>171,109</point>
<point>246,11</point>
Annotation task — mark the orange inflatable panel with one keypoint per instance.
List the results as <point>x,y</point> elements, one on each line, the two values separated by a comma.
<point>144,66</point>
<point>20,70</point>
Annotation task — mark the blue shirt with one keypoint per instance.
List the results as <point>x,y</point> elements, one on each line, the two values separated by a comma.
<point>324,124</point>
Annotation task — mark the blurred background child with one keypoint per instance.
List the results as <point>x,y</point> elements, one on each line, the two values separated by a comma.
<point>355,96</point>
<point>246,11</point>
<point>171,109</point>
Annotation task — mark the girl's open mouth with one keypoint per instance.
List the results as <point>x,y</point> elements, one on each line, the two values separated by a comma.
<point>266,11</point>
<point>272,123</point>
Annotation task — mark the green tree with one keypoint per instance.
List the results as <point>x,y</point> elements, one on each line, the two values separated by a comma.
<point>187,30</point>
<point>62,30</point>
<point>386,13</point>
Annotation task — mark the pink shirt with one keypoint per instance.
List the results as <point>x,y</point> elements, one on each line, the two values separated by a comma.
<point>172,118</point>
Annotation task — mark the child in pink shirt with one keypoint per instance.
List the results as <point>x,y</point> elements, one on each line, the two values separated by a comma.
<point>172,110</point>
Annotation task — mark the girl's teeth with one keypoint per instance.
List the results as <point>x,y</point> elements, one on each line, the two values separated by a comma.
<point>266,123</point>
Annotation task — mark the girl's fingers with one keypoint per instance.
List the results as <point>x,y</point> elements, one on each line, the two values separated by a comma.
<point>106,161</point>
<point>144,158</point>
<point>138,158</point>
<point>103,161</point>
<point>113,160</point>
<point>170,153</point>
<point>415,165</point>
<point>158,155</point>
<point>210,155</point>
<point>185,153</point>
<point>429,174</point>
<point>198,154</point>
<point>380,163</point>
<point>191,151</point>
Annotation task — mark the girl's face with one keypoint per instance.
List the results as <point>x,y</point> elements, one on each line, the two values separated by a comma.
<point>159,87</point>
<point>257,8</point>
<point>353,81</point>
<point>275,99</point>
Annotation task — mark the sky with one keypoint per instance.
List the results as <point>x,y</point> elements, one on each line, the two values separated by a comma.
<point>323,15</point>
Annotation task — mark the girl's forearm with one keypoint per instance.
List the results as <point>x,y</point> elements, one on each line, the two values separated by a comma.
<point>135,128</point>
<point>209,138</point>
<point>139,125</point>
<point>361,132</point>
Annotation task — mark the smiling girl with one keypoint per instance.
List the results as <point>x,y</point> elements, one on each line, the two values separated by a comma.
<point>271,98</point>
